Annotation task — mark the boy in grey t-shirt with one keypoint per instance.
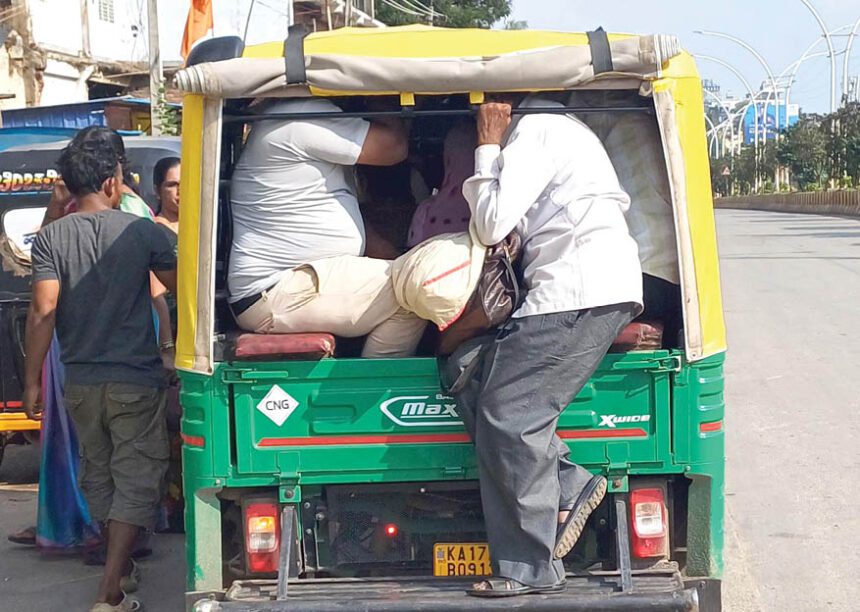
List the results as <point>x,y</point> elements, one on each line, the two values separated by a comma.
<point>91,284</point>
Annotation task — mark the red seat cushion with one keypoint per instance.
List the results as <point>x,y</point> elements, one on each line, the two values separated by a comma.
<point>639,336</point>
<point>284,346</point>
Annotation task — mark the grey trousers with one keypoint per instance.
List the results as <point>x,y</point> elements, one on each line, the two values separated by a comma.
<point>527,374</point>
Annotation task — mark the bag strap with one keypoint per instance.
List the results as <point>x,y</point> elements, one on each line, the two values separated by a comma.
<point>509,268</point>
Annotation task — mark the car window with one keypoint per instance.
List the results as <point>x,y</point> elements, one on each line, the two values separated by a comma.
<point>20,226</point>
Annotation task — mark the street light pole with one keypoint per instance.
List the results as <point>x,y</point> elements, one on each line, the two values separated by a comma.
<point>748,87</point>
<point>713,138</point>
<point>767,70</point>
<point>829,40</point>
<point>795,67</point>
<point>760,59</point>
<point>728,118</point>
<point>847,59</point>
<point>156,75</point>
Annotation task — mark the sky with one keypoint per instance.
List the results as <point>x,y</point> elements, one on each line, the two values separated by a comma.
<point>780,30</point>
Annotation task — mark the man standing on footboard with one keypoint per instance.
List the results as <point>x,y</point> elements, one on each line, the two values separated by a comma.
<point>548,177</point>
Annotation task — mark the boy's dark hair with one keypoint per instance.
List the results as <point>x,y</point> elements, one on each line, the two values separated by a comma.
<point>162,167</point>
<point>97,133</point>
<point>87,165</point>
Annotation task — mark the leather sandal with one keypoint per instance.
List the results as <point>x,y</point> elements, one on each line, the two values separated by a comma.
<point>128,604</point>
<point>508,587</point>
<point>131,583</point>
<point>569,531</point>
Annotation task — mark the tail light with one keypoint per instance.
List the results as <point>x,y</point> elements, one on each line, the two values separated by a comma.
<point>649,522</point>
<point>262,536</point>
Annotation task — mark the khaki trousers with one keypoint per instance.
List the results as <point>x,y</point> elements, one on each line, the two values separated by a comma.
<point>124,449</point>
<point>346,296</point>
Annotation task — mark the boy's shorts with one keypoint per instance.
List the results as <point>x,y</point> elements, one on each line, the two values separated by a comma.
<point>122,431</point>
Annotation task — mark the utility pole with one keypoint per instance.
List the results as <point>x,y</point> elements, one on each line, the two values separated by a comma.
<point>156,76</point>
<point>85,29</point>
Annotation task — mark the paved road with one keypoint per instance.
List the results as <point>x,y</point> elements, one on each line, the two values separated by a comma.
<point>31,583</point>
<point>792,289</point>
<point>791,285</point>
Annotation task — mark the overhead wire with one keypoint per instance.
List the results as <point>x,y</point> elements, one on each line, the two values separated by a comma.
<point>430,12</point>
<point>274,9</point>
<point>403,9</point>
<point>248,20</point>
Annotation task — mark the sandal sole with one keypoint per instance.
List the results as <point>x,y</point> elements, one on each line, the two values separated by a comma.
<point>573,529</point>
<point>490,594</point>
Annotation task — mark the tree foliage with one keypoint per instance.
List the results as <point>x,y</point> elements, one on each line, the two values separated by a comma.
<point>819,152</point>
<point>843,147</point>
<point>457,13</point>
<point>804,149</point>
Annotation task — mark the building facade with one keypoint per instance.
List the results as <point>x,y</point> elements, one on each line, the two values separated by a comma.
<point>61,51</point>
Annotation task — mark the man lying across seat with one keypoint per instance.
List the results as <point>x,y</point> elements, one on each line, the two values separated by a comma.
<point>297,262</point>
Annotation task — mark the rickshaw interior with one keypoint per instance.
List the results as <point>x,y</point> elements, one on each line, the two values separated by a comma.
<point>376,530</point>
<point>389,196</point>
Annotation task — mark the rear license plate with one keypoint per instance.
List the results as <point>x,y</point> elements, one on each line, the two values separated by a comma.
<point>461,560</point>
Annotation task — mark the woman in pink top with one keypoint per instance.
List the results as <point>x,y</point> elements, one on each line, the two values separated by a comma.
<point>446,210</point>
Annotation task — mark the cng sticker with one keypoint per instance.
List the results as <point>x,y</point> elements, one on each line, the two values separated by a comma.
<point>422,411</point>
<point>278,405</point>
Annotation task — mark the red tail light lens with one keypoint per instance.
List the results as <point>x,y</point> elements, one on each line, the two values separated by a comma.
<point>649,523</point>
<point>262,536</point>
<point>391,530</point>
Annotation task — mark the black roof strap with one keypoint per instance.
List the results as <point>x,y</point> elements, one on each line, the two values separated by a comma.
<point>294,55</point>
<point>601,55</point>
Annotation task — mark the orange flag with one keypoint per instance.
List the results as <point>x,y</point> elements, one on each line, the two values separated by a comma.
<point>199,22</point>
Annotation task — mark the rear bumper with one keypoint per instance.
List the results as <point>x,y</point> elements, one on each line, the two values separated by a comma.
<point>653,592</point>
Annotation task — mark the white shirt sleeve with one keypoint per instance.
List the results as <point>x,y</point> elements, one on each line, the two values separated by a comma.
<point>507,182</point>
<point>337,141</point>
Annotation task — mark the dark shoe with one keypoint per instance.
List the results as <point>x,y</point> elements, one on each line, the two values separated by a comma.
<point>97,554</point>
<point>508,587</point>
<point>568,532</point>
<point>25,537</point>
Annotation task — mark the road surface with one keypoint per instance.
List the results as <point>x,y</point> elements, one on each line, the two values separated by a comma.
<point>32,583</point>
<point>792,289</point>
<point>791,286</point>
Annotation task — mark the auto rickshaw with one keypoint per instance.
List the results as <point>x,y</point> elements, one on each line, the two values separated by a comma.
<point>27,176</point>
<point>364,494</point>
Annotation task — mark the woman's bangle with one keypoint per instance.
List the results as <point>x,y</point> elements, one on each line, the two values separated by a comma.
<point>166,346</point>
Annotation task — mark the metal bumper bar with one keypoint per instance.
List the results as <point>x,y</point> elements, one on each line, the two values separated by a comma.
<point>653,592</point>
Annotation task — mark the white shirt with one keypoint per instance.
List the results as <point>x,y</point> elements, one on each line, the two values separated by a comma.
<point>293,196</point>
<point>553,182</point>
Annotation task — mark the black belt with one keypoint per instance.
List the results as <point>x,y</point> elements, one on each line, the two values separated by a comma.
<point>240,306</point>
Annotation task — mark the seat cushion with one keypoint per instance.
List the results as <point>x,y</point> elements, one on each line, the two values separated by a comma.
<point>276,347</point>
<point>639,336</point>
